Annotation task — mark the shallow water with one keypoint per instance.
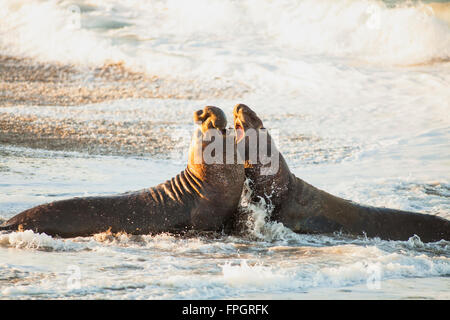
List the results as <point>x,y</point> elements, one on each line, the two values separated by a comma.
<point>268,261</point>
<point>358,108</point>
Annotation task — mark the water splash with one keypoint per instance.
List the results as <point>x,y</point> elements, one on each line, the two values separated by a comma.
<point>257,223</point>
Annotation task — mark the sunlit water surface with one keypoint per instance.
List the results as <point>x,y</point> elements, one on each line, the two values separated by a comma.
<point>355,94</point>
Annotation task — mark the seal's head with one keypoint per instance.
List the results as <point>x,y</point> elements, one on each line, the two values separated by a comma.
<point>244,119</point>
<point>213,163</point>
<point>213,147</point>
<point>210,118</point>
<point>209,139</point>
<point>264,165</point>
<point>250,130</point>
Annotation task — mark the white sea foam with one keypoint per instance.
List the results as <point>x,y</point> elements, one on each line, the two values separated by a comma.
<point>243,40</point>
<point>45,30</point>
<point>256,275</point>
<point>323,73</point>
<point>204,268</point>
<point>40,241</point>
<point>370,266</point>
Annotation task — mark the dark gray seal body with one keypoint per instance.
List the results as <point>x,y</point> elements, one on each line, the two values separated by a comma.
<point>307,209</point>
<point>203,197</point>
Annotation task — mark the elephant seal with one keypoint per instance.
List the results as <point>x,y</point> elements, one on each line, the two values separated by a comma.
<point>306,209</point>
<point>203,197</point>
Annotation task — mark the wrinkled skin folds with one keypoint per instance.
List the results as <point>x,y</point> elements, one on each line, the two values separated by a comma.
<point>203,197</point>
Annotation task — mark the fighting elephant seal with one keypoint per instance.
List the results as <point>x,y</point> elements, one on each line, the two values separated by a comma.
<point>306,209</point>
<point>203,197</point>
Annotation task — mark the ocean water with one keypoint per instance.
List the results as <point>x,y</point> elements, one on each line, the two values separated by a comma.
<point>355,93</point>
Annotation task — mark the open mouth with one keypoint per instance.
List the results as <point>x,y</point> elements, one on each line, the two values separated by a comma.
<point>239,129</point>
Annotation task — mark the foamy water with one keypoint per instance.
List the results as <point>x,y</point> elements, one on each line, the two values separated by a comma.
<point>355,94</point>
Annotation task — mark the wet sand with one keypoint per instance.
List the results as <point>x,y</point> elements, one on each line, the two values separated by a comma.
<point>140,138</point>
<point>26,82</point>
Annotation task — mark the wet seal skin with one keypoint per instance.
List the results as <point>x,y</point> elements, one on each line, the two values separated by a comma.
<point>307,209</point>
<point>203,197</point>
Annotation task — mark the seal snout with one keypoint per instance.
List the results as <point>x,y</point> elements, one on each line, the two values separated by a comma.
<point>240,107</point>
<point>211,118</point>
<point>245,118</point>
